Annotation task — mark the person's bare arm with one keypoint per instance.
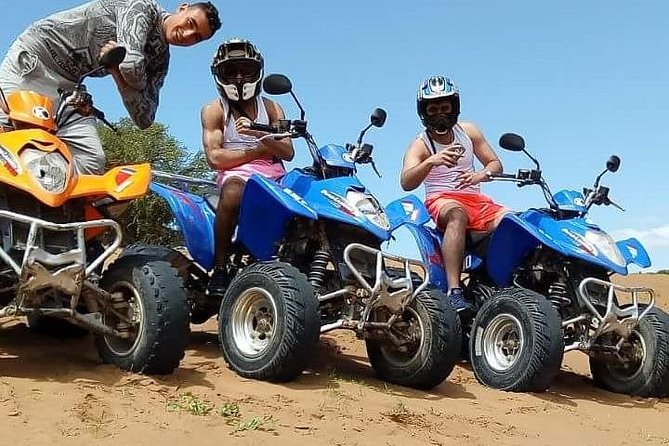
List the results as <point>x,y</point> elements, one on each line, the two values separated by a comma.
<point>213,117</point>
<point>484,153</point>
<point>418,162</point>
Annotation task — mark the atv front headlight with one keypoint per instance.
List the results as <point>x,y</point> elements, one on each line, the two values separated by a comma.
<point>369,207</point>
<point>603,242</point>
<point>49,169</point>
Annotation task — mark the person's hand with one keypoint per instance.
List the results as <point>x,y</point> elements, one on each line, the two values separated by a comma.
<point>467,179</point>
<point>448,157</point>
<point>107,47</point>
<point>243,126</point>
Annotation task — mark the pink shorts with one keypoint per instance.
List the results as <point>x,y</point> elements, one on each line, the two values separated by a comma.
<point>481,210</point>
<point>266,168</point>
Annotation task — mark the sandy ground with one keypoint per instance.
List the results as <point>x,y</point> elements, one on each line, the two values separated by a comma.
<point>57,392</point>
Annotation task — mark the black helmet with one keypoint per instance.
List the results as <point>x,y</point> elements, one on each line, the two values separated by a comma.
<point>238,69</point>
<point>437,88</point>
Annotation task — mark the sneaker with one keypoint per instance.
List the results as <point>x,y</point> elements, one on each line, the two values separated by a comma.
<point>457,300</point>
<point>219,281</point>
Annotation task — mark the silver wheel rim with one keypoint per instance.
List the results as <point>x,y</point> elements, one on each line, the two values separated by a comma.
<point>126,301</point>
<point>619,372</point>
<point>253,321</point>
<point>503,341</point>
<point>398,358</point>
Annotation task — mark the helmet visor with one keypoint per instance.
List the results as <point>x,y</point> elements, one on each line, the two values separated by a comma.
<point>230,71</point>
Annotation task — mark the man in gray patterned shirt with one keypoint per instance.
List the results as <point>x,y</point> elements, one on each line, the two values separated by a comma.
<point>56,51</point>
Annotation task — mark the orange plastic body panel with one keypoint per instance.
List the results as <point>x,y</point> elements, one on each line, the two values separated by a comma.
<point>32,109</point>
<point>120,183</point>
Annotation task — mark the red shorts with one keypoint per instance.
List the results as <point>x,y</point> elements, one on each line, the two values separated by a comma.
<point>481,210</point>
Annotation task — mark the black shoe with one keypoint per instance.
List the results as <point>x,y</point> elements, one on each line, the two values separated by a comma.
<point>219,281</point>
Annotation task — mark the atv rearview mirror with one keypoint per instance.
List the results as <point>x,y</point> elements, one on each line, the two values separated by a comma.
<point>512,142</point>
<point>276,84</point>
<point>113,57</point>
<point>516,143</point>
<point>378,117</point>
<point>613,163</point>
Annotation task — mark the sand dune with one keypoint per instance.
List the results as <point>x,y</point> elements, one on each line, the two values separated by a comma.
<point>56,392</point>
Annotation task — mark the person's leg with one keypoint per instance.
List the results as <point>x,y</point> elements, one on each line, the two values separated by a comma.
<point>226,217</point>
<point>227,213</point>
<point>81,136</point>
<point>453,220</point>
<point>21,70</point>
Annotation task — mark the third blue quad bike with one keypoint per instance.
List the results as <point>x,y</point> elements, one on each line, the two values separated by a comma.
<point>307,260</point>
<point>540,285</point>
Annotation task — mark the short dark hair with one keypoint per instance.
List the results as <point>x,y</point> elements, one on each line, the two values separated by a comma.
<point>211,13</point>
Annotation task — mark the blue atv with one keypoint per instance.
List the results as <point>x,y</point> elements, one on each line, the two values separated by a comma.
<point>540,286</point>
<point>307,260</point>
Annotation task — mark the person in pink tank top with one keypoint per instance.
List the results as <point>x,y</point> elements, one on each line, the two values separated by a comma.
<point>442,158</point>
<point>232,148</point>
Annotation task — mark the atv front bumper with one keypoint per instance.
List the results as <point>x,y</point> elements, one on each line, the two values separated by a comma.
<point>41,270</point>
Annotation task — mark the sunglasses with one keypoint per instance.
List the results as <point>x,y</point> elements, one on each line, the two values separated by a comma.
<point>436,109</point>
<point>234,69</point>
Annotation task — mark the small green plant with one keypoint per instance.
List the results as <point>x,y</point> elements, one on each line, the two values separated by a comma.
<point>190,403</point>
<point>265,423</point>
<point>229,410</point>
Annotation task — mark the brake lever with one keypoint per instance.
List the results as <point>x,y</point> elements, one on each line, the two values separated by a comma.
<point>615,205</point>
<point>276,136</point>
<point>99,114</point>
<point>371,161</point>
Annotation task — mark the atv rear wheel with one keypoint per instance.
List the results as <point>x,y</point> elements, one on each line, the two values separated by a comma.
<point>428,339</point>
<point>149,306</point>
<point>643,366</point>
<point>269,322</point>
<point>516,343</point>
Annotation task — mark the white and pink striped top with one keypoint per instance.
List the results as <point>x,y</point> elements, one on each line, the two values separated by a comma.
<point>442,178</point>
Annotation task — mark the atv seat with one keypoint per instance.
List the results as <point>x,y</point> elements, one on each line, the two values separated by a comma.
<point>476,242</point>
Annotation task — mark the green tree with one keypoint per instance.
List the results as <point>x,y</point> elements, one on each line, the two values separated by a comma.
<point>149,219</point>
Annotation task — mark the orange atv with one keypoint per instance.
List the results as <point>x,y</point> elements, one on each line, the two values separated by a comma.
<point>52,220</point>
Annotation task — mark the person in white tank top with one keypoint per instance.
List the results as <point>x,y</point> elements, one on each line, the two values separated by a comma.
<point>232,147</point>
<point>442,158</point>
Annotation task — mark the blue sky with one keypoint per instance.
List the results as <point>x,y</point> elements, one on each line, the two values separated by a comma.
<point>579,80</point>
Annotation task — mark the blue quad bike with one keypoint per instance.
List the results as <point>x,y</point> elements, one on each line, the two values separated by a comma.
<point>540,286</point>
<point>307,260</point>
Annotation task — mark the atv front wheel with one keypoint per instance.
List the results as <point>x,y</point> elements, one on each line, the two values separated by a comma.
<point>422,346</point>
<point>269,322</point>
<point>516,343</point>
<point>642,364</point>
<point>195,278</point>
<point>149,307</point>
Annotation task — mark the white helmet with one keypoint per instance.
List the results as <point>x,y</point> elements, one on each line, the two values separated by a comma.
<point>437,88</point>
<point>238,69</point>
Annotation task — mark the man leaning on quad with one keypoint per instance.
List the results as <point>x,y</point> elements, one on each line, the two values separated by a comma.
<point>54,52</point>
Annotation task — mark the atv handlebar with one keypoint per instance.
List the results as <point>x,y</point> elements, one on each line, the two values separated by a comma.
<point>523,177</point>
<point>295,128</point>
<point>503,176</point>
<point>262,127</point>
